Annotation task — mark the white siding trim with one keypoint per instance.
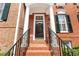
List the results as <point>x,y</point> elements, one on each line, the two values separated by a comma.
<point>61,12</point>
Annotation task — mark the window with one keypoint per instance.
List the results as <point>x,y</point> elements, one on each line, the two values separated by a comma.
<point>62,23</point>
<point>39,18</point>
<point>68,43</point>
<point>65,3</point>
<point>1,10</point>
<point>54,3</point>
<point>4,10</point>
<point>74,3</point>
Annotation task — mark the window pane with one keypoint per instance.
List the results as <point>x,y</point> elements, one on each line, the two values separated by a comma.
<point>1,6</point>
<point>63,27</point>
<point>62,22</point>
<point>1,9</point>
<point>61,18</point>
<point>39,17</point>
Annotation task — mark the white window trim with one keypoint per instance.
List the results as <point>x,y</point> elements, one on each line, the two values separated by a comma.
<point>2,11</point>
<point>43,25</point>
<point>64,31</point>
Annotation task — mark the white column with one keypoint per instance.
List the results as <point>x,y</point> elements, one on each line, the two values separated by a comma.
<point>52,27</point>
<point>26,24</point>
<point>52,21</point>
<point>17,26</point>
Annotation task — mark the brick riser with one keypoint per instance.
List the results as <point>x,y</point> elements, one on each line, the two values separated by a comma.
<point>35,49</point>
<point>38,48</point>
<point>37,41</point>
<point>38,53</point>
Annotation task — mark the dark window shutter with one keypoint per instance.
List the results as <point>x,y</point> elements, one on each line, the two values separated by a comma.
<point>69,24</point>
<point>5,11</point>
<point>57,24</point>
<point>78,17</point>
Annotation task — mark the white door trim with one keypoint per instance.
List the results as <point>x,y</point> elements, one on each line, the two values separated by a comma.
<point>43,25</point>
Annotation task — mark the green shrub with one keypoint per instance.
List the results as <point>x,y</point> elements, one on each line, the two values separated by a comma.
<point>74,51</point>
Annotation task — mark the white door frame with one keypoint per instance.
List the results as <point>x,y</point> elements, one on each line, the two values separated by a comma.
<point>43,25</point>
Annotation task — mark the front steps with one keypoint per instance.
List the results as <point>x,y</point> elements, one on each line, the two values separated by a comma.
<point>38,49</point>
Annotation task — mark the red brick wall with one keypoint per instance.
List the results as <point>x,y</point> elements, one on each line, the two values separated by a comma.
<point>74,36</point>
<point>47,22</point>
<point>7,29</point>
<point>31,24</point>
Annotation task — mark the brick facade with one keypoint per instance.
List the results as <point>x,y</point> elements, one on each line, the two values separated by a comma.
<point>8,28</point>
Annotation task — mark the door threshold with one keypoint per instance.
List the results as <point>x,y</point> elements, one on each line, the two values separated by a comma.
<point>39,38</point>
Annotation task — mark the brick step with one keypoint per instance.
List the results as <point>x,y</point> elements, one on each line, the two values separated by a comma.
<point>38,41</point>
<point>38,45</point>
<point>38,48</point>
<point>38,53</point>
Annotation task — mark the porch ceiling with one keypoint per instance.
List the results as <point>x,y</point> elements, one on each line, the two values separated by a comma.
<point>39,8</point>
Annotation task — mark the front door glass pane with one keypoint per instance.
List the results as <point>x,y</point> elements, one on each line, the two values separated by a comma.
<point>39,33</point>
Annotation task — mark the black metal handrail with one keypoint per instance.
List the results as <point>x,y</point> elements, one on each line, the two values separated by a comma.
<point>16,48</point>
<point>54,36</point>
<point>64,49</point>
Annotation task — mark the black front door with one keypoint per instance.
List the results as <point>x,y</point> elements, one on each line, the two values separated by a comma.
<point>39,33</point>
<point>39,29</point>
